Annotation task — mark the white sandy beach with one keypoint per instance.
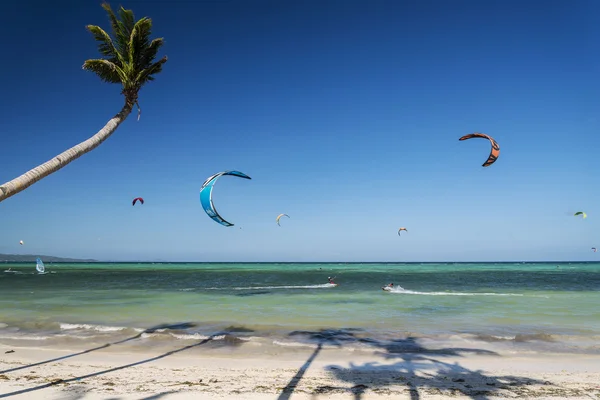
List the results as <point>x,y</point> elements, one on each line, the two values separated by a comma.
<point>303,374</point>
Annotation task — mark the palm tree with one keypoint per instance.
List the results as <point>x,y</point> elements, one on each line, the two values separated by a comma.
<point>128,60</point>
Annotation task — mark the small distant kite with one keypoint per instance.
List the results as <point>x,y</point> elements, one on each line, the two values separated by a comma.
<point>494,153</point>
<point>206,195</point>
<point>583,215</point>
<point>594,249</point>
<point>279,216</point>
<point>136,199</point>
<point>402,229</point>
<point>21,242</point>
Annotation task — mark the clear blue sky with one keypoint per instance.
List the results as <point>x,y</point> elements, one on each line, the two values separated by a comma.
<point>346,114</point>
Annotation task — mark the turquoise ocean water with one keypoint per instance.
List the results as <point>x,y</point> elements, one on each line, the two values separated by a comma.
<point>516,307</point>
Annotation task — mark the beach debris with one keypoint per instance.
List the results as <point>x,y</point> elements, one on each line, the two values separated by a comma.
<point>9,351</point>
<point>4,377</point>
<point>189,383</point>
<point>327,389</point>
<point>206,195</point>
<point>402,229</point>
<point>279,216</point>
<point>136,200</point>
<point>583,215</point>
<point>494,153</point>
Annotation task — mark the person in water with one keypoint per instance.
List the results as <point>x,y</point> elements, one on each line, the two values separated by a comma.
<point>330,279</point>
<point>388,287</point>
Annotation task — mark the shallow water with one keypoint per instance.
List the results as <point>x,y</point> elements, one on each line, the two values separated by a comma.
<point>514,306</point>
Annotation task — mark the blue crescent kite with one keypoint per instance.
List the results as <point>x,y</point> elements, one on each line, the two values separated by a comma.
<point>206,195</point>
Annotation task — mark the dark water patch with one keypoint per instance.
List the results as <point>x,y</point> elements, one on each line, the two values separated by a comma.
<point>328,336</point>
<point>491,338</point>
<point>238,329</point>
<point>518,338</point>
<point>349,301</point>
<point>426,309</point>
<point>228,340</point>
<point>258,292</point>
<point>544,337</point>
<point>176,326</point>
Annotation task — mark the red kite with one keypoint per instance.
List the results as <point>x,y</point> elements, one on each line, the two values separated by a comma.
<point>494,153</point>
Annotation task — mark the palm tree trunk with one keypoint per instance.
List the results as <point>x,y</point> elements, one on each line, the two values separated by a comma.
<point>41,171</point>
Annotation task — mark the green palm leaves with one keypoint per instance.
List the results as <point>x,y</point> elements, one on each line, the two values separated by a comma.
<point>129,56</point>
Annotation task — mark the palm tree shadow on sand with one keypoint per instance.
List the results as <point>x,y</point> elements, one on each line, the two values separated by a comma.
<point>150,330</point>
<point>420,369</point>
<point>332,337</point>
<point>182,325</point>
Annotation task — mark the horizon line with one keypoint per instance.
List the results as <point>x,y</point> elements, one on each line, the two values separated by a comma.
<point>91,261</point>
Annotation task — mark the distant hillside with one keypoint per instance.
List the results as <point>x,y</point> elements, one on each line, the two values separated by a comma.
<point>31,258</point>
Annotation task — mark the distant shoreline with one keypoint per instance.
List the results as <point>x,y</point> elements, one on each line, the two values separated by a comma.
<point>27,258</point>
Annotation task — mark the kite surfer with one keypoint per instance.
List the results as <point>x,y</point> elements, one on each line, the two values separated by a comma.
<point>388,288</point>
<point>330,279</point>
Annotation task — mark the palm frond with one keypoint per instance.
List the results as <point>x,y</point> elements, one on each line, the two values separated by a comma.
<point>128,20</point>
<point>149,54</point>
<point>128,24</point>
<point>139,40</point>
<point>105,44</point>
<point>118,29</point>
<point>106,70</point>
<point>146,74</point>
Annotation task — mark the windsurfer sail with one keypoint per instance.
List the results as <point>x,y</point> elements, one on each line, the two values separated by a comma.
<point>39,265</point>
